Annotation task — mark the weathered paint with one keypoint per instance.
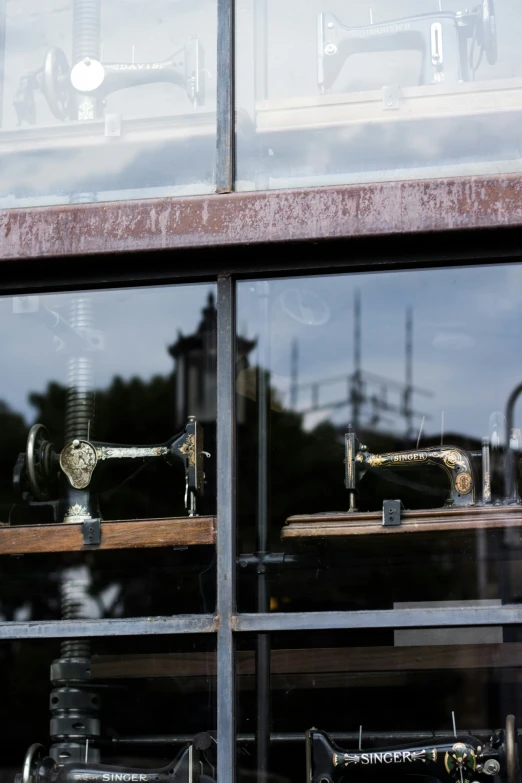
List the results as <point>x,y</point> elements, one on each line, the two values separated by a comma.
<point>260,217</point>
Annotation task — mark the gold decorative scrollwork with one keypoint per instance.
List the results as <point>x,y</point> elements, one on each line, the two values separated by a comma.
<point>189,448</point>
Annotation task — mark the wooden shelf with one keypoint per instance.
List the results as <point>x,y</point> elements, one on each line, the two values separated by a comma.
<point>321,667</point>
<point>370,523</point>
<point>130,534</point>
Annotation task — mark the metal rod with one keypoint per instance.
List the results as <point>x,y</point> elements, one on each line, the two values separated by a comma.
<point>373,737</point>
<point>133,626</point>
<point>226,528</point>
<point>510,466</point>
<point>3,25</point>
<point>384,618</point>
<point>263,534</point>
<point>225,141</point>
<point>260,50</point>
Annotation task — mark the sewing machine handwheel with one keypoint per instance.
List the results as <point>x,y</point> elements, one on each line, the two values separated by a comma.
<point>33,755</point>
<point>511,750</point>
<point>35,462</point>
<point>489,31</point>
<point>57,84</point>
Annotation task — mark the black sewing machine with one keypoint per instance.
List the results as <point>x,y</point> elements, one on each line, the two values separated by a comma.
<point>38,471</point>
<point>441,38</point>
<point>454,461</point>
<point>461,758</point>
<point>188,767</point>
<point>63,86</point>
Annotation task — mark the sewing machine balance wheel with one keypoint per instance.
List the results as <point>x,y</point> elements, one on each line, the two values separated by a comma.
<point>489,31</point>
<point>510,741</point>
<point>35,753</point>
<point>37,456</point>
<point>56,83</point>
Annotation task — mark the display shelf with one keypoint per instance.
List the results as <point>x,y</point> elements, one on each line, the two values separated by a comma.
<point>369,523</point>
<point>131,534</point>
<point>320,667</point>
<point>484,100</point>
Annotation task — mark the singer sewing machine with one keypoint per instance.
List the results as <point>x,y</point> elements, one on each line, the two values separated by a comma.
<point>454,461</point>
<point>62,85</point>
<point>39,471</point>
<point>441,37</point>
<point>188,767</point>
<point>477,493</point>
<point>461,758</point>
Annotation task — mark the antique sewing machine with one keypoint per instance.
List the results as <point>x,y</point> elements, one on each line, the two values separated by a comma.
<point>454,461</point>
<point>461,758</point>
<point>64,87</point>
<point>441,38</point>
<point>42,468</point>
<point>188,767</point>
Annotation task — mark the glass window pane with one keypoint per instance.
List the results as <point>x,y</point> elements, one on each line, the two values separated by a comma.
<point>397,702</point>
<point>333,93</point>
<point>379,452</point>
<point>106,100</point>
<point>108,409</point>
<point>122,705</point>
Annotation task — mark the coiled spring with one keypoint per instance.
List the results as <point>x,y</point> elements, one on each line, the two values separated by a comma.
<point>79,405</point>
<point>86,29</point>
<point>74,600</point>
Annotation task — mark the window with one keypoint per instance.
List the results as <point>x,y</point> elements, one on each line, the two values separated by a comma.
<point>104,101</point>
<point>331,93</point>
<point>361,428</point>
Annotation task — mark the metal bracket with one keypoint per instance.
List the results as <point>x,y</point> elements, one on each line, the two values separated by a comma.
<point>391,513</point>
<point>391,97</point>
<point>91,532</point>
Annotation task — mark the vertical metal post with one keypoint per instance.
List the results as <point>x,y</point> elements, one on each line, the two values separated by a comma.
<point>226,528</point>
<point>225,144</point>
<point>3,24</point>
<point>408,390</point>
<point>263,535</point>
<point>261,50</point>
<point>294,374</point>
<point>356,390</point>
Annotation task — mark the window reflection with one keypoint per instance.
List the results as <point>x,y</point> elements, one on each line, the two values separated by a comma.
<point>106,100</point>
<point>388,416</point>
<point>376,90</point>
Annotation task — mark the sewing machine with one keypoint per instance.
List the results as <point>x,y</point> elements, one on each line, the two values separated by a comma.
<point>63,87</point>
<point>38,471</point>
<point>454,461</point>
<point>441,38</point>
<point>461,758</point>
<point>187,767</point>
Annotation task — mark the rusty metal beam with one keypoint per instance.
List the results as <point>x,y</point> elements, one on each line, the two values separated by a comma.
<point>260,217</point>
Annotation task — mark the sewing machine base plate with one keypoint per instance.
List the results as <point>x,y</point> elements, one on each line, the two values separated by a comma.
<point>369,523</point>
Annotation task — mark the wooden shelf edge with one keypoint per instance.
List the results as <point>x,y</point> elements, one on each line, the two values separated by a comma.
<point>314,661</point>
<point>129,534</point>
<point>434,520</point>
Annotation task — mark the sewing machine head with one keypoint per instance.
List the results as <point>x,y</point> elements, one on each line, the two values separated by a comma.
<point>454,461</point>
<point>38,471</point>
<point>188,767</point>
<point>453,759</point>
<point>63,86</point>
<point>441,37</point>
